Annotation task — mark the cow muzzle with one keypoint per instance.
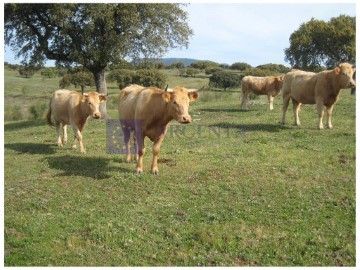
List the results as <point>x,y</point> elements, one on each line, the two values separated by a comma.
<point>351,84</point>
<point>185,119</point>
<point>97,115</point>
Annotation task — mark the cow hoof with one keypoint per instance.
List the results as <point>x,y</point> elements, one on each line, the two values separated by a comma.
<point>83,152</point>
<point>60,145</point>
<point>139,171</point>
<point>155,172</point>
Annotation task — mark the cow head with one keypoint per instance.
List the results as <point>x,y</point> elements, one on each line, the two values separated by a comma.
<point>178,103</point>
<point>92,101</point>
<point>345,73</point>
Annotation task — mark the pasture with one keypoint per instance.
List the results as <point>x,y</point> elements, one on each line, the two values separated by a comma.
<point>235,188</point>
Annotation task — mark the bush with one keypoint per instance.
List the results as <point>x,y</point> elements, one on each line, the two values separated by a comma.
<point>258,72</point>
<point>80,78</point>
<point>13,113</point>
<point>38,110</point>
<point>225,79</point>
<point>48,73</point>
<point>149,77</point>
<point>191,72</point>
<point>240,66</point>
<point>123,77</point>
<point>27,72</point>
<point>212,70</point>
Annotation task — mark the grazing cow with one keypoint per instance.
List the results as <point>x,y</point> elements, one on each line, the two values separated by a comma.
<point>321,89</point>
<point>269,86</point>
<point>147,112</point>
<point>73,108</point>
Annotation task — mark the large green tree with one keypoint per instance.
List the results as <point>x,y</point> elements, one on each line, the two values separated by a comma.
<point>94,35</point>
<point>318,43</point>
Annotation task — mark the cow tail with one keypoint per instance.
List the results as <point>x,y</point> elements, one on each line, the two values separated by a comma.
<point>48,116</point>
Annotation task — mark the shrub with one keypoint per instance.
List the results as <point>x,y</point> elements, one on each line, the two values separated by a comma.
<point>149,77</point>
<point>13,113</point>
<point>240,66</point>
<point>225,79</point>
<point>48,73</point>
<point>27,72</point>
<point>191,72</point>
<point>38,110</point>
<point>123,77</point>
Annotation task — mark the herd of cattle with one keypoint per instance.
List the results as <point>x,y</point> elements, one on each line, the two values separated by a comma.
<point>147,111</point>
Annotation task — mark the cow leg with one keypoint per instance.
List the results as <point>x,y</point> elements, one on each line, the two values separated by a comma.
<point>156,150</point>
<point>329,114</point>
<point>78,136</point>
<point>296,107</point>
<point>127,135</point>
<point>58,133</point>
<point>244,102</point>
<point>65,136</point>
<point>286,100</point>
<point>271,101</point>
<point>320,111</point>
<point>140,152</point>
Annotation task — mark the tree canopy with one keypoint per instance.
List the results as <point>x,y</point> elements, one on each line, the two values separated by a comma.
<point>94,35</point>
<point>317,43</point>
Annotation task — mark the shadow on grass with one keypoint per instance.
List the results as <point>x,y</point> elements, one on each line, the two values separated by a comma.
<point>31,148</point>
<point>253,127</point>
<point>24,124</point>
<point>231,110</point>
<point>93,167</point>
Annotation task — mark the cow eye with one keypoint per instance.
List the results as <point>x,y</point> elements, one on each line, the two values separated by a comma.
<point>174,102</point>
<point>90,103</point>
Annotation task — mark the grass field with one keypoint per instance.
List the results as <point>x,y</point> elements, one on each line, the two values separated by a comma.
<point>235,189</point>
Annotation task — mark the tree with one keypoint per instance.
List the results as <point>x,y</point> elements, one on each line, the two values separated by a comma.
<point>80,78</point>
<point>225,79</point>
<point>94,35</point>
<point>203,64</point>
<point>318,43</point>
<point>240,66</point>
<point>191,72</point>
<point>123,77</point>
<point>149,77</point>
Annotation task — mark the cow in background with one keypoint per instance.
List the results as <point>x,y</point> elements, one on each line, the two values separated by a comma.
<point>147,111</point>
<point>269,86</point>
<point>73,108</point>
<point>321,88</point>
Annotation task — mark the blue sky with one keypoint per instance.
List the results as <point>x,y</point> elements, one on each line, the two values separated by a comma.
<point>243,32</point>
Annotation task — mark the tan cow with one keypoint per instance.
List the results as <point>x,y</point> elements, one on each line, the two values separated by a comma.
<point>73,108</point>
<point>147,112</point>
<point>269,86</point>
<point>321,89</point>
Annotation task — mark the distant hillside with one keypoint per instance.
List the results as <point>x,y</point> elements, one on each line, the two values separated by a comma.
<point>187,61</point>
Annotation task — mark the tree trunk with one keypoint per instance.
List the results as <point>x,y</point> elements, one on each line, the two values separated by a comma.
<point>101,88</point>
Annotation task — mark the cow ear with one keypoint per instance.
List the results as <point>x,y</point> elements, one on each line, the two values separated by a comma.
<point>166,96</point>
<point>354,68</point>
<point>337,70</point>
<point>193,96</point>
<point>102,97</point>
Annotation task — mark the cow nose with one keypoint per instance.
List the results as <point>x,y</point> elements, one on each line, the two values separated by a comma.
<point>186,119</point>
<point>351,84</point>
<point>97,115</point>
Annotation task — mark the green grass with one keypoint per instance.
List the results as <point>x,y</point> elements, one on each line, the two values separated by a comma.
<point>237,189</point>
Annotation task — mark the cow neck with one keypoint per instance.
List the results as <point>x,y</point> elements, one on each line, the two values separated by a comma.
<point>334,82</point>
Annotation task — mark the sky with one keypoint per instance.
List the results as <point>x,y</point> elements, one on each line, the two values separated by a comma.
<point>254,33</point>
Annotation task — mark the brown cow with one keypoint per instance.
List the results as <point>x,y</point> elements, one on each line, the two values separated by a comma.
<point>73,108</point>
<point>321,89</point>
<point>269,86</point>
<point>147,112</point>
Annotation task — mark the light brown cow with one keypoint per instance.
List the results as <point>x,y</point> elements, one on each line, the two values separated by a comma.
<point>147,112</point>
<point>321,89</point>
<point>73,108</point>
<point>269,86</point>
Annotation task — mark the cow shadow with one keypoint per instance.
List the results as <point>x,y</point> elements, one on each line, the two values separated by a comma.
<point>229,110</point>
<point>92,167</point>
<point>253,127</point>
<point>31,148</point>
<point>23,124</point>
